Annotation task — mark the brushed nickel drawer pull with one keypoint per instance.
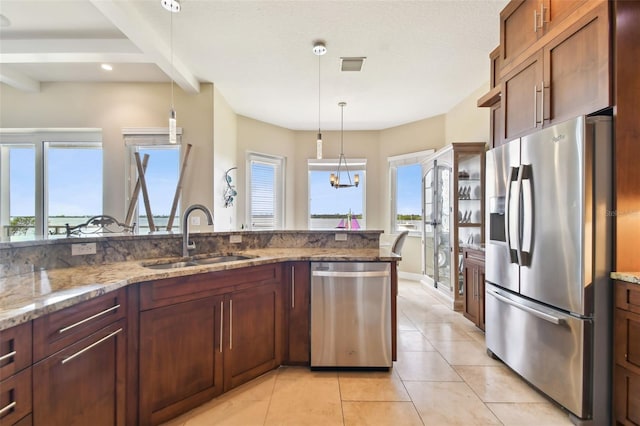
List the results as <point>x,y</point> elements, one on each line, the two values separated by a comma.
<point>230,324</point>
<point>7,356</point>
<point>293,287</point>
<point>7,407</point>
<point>91,346</point>
<point>221,322</point>
<point>106,311</point>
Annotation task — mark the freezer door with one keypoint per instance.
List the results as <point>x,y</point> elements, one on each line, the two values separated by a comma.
<point>501,215</point>
<point>553,215</point>
<point>549,348</point>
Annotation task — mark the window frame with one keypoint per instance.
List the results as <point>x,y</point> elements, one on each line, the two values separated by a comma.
<point>40,140</point>
<point>279,163</point>
<point>394,162</point>
<point>355,165</point>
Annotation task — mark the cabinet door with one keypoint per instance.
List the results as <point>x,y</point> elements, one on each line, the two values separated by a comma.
<point>15,397</point>
<point>626,396</point>
<point>470,293</point>
<point>496,125</point>
<point>83,384</point>
<point>521,98</point>
<point>519,27</point>
<point>298,345</point>
<point>555,11</point>
<point>481,298</point>
<point>15,349</point>
<point>576,68</point>
<point>253,339</point>
<point>627,339</point>
<point>181,357</point>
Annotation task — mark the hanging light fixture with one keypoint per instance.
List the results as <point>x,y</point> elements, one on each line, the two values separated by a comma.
<point>319,49</point>
<point>172,6</point>
<point>334,179</point>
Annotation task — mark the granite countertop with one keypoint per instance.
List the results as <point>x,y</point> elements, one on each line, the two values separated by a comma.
<point>30,294</point>
<point>630,277</point>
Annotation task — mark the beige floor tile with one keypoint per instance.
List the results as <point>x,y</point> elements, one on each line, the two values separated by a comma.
<point>478,336</point>
<point>413,341</point>
<point>310,400</point>
<point>371,386</point>
<point>232,412</point>
<point>404,323</point>
<point>449,403</point>
<point>425,366</point>
<point>442,331</point>
<point>294,373</point>
<point>460,352</point>
<point>498,384</point>
<point>380,413</point>
<point>533,414</point>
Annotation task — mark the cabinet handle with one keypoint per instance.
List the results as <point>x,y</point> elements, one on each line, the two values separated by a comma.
<point>7,356</point>
<point>293,287</point>
<point>93,345</point>
<point>221,322</point>
<point>542,102</point>
<point>535,21</point>
<point>230,324</point>
<point>7,407</point>
<point>535,105</point>
<point>106,311</point>
<point>542,21</point>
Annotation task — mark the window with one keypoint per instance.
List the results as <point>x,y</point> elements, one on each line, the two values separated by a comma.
<point>405,176</point>
<point>329,208</point>
<point>48,179</point>
<point>161,177</point>
<point>265,203</point>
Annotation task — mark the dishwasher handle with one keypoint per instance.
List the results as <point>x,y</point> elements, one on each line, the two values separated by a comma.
<point>354,274</point>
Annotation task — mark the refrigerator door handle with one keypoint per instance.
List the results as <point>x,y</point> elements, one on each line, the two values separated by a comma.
<point>518,221</point>
<point>511,217</point>
<point>527,215</point>
<point>542,315</point>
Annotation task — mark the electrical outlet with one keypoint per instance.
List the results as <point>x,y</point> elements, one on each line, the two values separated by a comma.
<point>83,248</point>
<point>341,237</point>
<point>195,220</point>
<point>235,239</point>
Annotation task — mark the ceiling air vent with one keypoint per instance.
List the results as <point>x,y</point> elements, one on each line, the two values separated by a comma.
<point>352,64</point>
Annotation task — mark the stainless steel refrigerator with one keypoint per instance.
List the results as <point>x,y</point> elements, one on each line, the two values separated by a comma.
<point>548,255</point>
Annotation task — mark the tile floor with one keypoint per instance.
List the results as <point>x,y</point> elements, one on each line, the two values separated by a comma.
<point>442,377</point>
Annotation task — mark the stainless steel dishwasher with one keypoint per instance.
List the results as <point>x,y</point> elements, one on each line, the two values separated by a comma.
<point>351,314</point>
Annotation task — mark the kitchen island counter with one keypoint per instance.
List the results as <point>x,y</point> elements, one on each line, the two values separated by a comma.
<point>630,277</point>
<point>27,295</point>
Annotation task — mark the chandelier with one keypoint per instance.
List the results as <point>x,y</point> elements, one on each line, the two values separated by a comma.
<point>343,168</point>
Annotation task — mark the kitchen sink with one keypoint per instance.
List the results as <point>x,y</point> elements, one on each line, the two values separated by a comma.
<point>209,260</point>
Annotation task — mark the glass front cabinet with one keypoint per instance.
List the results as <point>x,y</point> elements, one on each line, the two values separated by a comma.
<point>453,213</point>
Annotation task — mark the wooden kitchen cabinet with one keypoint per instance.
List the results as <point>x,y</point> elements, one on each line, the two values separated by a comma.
<point>15,375</point>
<point>202,335</point>
<point>474,286</point>
<point>561,72</point>
<point>627,354</point>
<point>79,376</point>
<point>297,308</point>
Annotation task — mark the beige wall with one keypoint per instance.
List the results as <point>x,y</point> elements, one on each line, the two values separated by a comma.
<point>263,138</point>
<point>466,122</point>
<point>225,156</point>
<point>111,107</point>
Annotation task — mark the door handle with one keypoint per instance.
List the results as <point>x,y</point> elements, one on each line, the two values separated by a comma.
<point>509,223</point>
<point>99,314</point>
<point>230,324</point>
<point>518,221</point>
<point>91,346</point>
<point>293,287</point>
<point>527,212</point>
<point>221,322</point>
<point>542,315</point>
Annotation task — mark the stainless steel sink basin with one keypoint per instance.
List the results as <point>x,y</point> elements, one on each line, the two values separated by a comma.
<point>197,262</point>
<point>171,265</point>
<point>221,259</point>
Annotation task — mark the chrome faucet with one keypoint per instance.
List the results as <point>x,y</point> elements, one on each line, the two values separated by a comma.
<point>186,244</point>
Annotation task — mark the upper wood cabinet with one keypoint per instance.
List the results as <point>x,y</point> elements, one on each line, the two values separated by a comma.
<point>561,75</point>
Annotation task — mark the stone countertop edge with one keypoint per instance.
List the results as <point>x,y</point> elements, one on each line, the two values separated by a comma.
<point>630,277</point>
<point>27,296</point>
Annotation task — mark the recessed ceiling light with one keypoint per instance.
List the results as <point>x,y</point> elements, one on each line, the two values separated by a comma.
<point>106,67</point>
<point>352,64</point>
<point>171,5</point>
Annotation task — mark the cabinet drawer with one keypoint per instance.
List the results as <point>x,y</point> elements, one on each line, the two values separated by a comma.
<point>628,296</point>
<point>15,397</point>
<point>155,294</point>
<point>15,349</point>
<point>475,257</point>
<point>58,330</point>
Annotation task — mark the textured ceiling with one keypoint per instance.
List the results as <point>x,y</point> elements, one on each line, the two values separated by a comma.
<point>423,57</point>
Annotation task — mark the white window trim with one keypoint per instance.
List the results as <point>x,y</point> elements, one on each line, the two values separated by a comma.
<point>331,164</point>
<point>278,161</point>
<point>402,160</point>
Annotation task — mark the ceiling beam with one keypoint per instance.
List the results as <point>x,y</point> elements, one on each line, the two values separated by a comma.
<point>70,58</point>
<point>125,16</point>
<point>18,80</point>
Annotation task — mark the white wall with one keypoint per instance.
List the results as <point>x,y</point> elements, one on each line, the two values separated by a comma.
<point>225,156</point>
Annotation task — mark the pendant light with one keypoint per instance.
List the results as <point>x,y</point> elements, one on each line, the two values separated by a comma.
<point>172,6</point>
<point>319,49</point>
<point>334,179</point>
